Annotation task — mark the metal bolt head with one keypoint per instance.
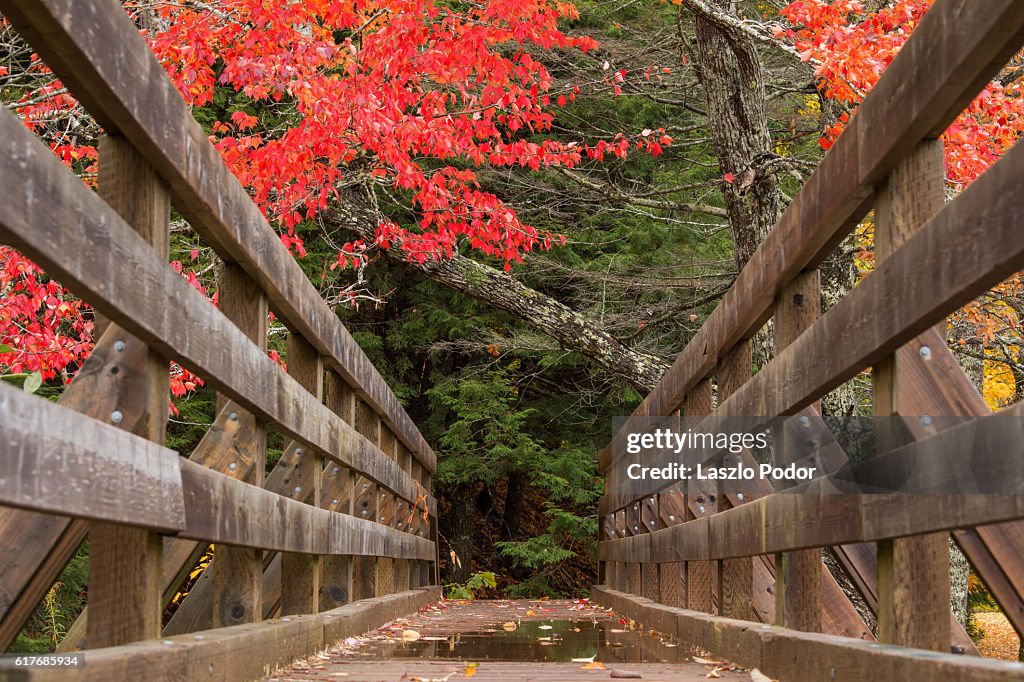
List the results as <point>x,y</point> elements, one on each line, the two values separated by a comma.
<point>337,470</point>
<point>636,527</point>
<point>926,420</point>
<point>119,346</point>
<point>233,416</point>
<point>298,451</point>
<point>701,508</point>
<point>925,352</point>
<point>334,501</point>
<point>365,513</point>
<point>116,416</point>
<point>805,420</point>
<point>739,496</point>
<point>399,524</point>
<point>298,489</point>
<point>382,518</point>
<point>671,517</point>
<point>233,466</point>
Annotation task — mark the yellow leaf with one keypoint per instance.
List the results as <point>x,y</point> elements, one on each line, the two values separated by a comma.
<point>470,669</point>
<point>531,612</point>
<point>509,626</point>
<point>593,665</point>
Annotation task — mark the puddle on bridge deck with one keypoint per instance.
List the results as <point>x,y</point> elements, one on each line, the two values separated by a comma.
<point>541,641</point>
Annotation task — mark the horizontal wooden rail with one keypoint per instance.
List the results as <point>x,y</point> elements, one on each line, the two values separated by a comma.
<point>99,55</point>
<point>956,50</point>
<point>225,510</point>
<point>53,218</point>
<point>242,652</point>
<point>58,461</point>
<point>787,654</point>
<point>65,463</point>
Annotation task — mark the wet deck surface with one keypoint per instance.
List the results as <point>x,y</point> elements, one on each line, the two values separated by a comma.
<point>510,640</point>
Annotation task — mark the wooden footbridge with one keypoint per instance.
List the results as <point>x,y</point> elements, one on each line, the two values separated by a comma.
<point>341,536</point>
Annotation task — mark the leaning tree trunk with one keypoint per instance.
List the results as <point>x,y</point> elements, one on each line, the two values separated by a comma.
<point>573,331</point>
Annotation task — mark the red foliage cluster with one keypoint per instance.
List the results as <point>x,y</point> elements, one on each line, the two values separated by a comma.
<point>851,47</point>
<point>412,93</point>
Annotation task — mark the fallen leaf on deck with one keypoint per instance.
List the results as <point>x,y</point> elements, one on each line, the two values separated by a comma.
<point>509,626</point>
<point>758,676</point>
<point>410,635</point>
<point>593,665</point>
<point>714,674</point>
<point>471,669</point>
<point>531,612</point>
<point>544,627</point>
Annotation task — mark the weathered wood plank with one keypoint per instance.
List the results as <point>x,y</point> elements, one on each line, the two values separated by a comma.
<point>61,462</point>
<point>98,53</point>
<point>225,510</point>
<point>238,571</point>
<point>798,596</point>
<point>300,573</point>
<point>735,576</point>
<point>338,494</point>
<point>792,655</point>
<point>103,261</point>
<point>242,652</point>
<point>913,572</point>
<point>124,562</point>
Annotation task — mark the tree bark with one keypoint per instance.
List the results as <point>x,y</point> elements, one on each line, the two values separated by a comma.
<point>512,510</point>
<point>572,330</point>
<point>733,80</point>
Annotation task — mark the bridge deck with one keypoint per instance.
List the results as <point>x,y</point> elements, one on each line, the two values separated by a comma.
<point>551,640</point>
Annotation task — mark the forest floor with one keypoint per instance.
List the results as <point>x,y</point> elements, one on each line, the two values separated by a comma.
<point>1000,640</point>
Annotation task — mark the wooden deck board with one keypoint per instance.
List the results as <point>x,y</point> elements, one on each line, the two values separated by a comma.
<point>371,660</point>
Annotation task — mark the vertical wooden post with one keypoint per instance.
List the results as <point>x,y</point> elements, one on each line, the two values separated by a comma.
<point>699,574</point>
<point>385,581</point>
<point>735,576</point>
<point>124,563</point>
<point>364,568</point>
<point>336,571</point>
<point>634,570</point>
<point>913,572</point>
<point>403,567</point>
<point>238,571</point>
<point>300,573</point>
<point>797,574</point>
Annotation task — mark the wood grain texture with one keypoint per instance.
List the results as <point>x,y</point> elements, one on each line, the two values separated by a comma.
<point>735,576</point>
<point>787,654</point>
<point>101,57</point>
<point>244,652</point>
<point>300,573</point>
<point>238,571</point>
<point>58,461</point>
<point>913,572</point>
<point>225,510</point>
<point>699,576</point>
<point>103,261</point>
<point>124,563</point>
<point>798,576</point>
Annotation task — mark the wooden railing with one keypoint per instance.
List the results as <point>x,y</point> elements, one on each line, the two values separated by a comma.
<point>751,555</point>
<point>345,515</point>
